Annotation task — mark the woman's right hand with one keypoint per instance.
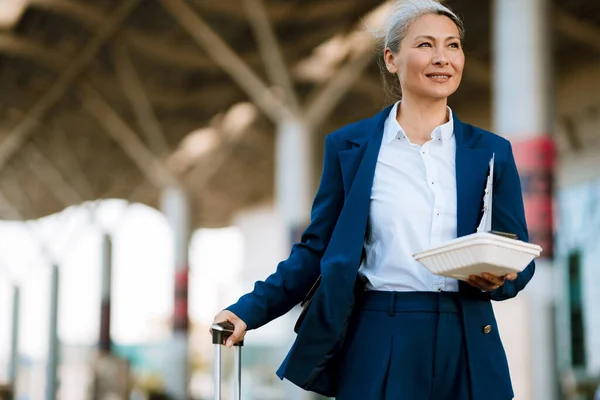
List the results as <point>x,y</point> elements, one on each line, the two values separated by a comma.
<point>239,330</point>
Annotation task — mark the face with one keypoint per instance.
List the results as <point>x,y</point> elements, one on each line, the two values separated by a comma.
<point>430,60</point>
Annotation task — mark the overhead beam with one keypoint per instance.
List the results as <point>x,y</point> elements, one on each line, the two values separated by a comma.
<point>577,30</point>
<point>204,97</point>
<point>133,88</point>
<point>74,165</point>
<point>199,176</point>
<point>50,177</point>
<point>157,49</point>
<point>80,11</point>
<point>8,207</point>
<point>25,48</point>
<point>67,159</point>
<point>15,139</point>
<point>209,96</point>
<point>229,61</point>
<point>321,103</point>
<point>152,46</point>
<point>280,12</point>
<point>227,137</point>
<point>270,52</point>
<point>360,46</point>
<point>49,59</point>
<point>148,163</point>
<point>26,208</point>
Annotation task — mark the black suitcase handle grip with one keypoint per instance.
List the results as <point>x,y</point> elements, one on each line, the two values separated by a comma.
<point>221,331</point>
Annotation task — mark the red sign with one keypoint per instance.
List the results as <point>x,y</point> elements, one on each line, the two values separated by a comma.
<point>535,160</point>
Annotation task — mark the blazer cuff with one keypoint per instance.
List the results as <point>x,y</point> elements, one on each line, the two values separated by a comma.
<point>244,313</point>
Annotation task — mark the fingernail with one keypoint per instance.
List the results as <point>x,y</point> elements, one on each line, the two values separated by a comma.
<point>229,343</point>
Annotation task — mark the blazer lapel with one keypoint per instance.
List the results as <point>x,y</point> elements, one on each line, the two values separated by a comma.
<point>362,137</point>
<point>471,174</point>
<point>350,160</point>
<point>358,170</point>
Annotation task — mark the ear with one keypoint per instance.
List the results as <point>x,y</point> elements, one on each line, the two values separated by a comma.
<point>388,57</point>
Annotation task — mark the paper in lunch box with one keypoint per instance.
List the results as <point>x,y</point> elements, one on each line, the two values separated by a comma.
<point>485,225</point>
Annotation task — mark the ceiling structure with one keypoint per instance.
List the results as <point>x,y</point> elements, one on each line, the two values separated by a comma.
<point>118,98</point>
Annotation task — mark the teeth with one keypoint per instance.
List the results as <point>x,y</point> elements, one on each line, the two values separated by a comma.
<point>438,76</point>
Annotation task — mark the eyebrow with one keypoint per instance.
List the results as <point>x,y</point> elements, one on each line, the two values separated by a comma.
<point>432,38</point>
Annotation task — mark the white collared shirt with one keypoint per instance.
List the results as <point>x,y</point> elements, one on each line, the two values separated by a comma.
<point>413,208</point>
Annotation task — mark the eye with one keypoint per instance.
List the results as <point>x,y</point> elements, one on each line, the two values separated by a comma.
<point>455,45</point>
<point>425,44</point>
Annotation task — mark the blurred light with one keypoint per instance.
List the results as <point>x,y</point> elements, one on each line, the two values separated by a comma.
<point>195,145</point>
<point>375,19</point>
<point>10,12</point>
<point>206,141</point>
<point>327,58</point>
<point>238,119</point>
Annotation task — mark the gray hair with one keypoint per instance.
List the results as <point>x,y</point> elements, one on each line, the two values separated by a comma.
<point>403,14</point>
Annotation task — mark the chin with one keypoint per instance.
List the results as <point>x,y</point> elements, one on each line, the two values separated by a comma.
<point>438,94</point>
<point>435,96</point>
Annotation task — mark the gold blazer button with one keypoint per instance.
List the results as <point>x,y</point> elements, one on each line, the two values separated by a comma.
<point>487,329</point>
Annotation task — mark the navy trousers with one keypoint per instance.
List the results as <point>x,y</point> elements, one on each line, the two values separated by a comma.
<point>405,346</point>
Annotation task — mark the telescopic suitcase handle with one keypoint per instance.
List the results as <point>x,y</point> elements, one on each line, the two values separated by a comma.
<point>220,333</point>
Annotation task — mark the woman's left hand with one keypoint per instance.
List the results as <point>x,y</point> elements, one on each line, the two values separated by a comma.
<point>488,282</point>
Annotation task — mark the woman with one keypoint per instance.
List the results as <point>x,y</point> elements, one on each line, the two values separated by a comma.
<point>409,178</point>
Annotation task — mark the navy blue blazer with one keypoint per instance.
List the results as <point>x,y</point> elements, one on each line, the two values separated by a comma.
<point>332,246</point>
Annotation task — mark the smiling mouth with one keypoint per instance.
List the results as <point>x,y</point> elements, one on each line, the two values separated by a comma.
<point>439,77</point>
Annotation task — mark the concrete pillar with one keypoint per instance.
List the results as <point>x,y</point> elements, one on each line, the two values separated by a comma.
<point>176,207</point>
<point>523,114</point>
<point>53,345</point>
<point>293,175</point>
<point>14,346</point>
<point>104,343</point>
<point>293,198</point>
<point>523,105</point>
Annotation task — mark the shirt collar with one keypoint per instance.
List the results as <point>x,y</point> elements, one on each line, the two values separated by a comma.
<point>393,130</point>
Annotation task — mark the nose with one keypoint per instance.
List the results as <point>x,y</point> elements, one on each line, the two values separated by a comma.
<point>440,58</point>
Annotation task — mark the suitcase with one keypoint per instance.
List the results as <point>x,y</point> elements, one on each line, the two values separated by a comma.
<point>220,332</point>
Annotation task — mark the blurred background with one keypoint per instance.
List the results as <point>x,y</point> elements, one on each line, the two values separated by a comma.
<point>159,156</point>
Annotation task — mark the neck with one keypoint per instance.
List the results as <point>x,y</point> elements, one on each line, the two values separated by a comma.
<point>419,117</point>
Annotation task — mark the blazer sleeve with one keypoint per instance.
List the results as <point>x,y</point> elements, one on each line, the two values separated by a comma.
<point>508,215</point>
<point>293,277</point>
